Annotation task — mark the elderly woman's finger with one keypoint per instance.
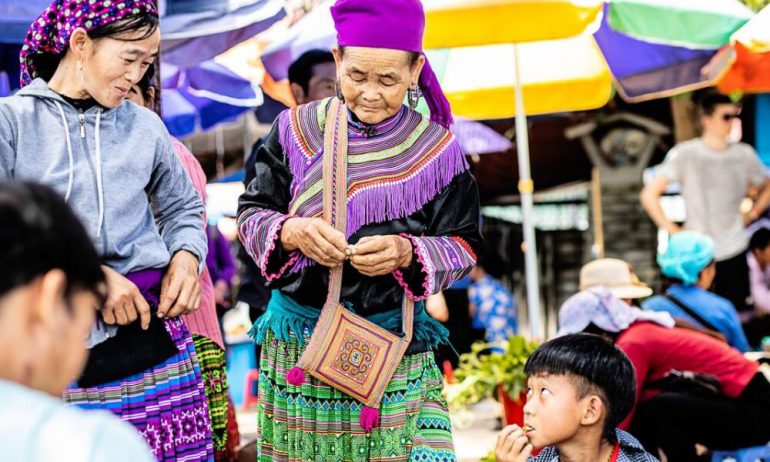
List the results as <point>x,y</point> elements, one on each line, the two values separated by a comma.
<point>371,245</point>
<point>334,237</point>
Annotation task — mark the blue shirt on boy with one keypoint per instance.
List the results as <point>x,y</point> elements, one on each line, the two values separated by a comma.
<point>716,310</point>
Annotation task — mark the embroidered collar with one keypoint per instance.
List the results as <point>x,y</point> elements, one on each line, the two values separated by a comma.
<point>356,128</point>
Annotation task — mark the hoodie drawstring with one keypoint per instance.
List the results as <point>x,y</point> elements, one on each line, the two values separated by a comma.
<point>99,186</point>
<point>99,173</point>
<point>69,151</point>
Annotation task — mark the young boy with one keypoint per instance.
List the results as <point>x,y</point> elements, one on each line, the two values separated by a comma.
<point>580,388</point>
<point>51,284</point>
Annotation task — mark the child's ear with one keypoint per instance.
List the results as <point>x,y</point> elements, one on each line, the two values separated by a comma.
<point>594,410</point>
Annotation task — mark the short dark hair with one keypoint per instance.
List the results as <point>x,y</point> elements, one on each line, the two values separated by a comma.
<point>301,70</point>
<point>760,239</point>
<point>146,22</point>
<point>40,233</point>
<point>709,100</point>
<point>595,365</point>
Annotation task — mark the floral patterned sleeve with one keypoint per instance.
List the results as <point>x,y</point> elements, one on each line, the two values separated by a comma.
<point>447,250</point>
<point>263,209</point>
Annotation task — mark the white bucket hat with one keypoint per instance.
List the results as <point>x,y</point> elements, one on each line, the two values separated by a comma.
<point>616,276</point>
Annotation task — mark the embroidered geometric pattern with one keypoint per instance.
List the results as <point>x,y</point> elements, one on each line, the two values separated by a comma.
<point>354,358</point>
<point>391,174</point>
<point>444,259</point>
<point>213,370</point>
<point>166,404</point>
<point>315,422</point>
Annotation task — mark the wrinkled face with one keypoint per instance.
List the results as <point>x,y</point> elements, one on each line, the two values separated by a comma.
<point>111,66</point>
<point>720,123</point>
<point>374,81</point>
<point>553,409</point>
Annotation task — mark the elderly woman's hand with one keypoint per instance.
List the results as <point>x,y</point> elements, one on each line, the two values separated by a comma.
<point>316,239</point>
<point>380,255</point>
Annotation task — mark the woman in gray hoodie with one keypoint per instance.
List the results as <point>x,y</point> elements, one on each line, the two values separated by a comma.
<point>70,128</point>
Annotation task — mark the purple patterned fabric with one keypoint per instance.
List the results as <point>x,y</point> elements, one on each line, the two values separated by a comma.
<point>444,260</point>
<point>394,167</point>
<point>167,403</point>
<point>51,31</point>
<point>260,230</point>
<point>394,24</point>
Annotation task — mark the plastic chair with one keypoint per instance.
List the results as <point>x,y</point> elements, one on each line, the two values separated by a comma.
<point>755,454</point>
<point>252,382</point>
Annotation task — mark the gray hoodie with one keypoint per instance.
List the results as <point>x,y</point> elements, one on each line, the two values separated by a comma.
<point>115,167</point>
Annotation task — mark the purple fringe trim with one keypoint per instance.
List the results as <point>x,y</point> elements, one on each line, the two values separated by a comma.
<point>393,201</point>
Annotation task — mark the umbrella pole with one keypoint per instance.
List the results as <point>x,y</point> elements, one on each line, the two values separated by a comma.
<point>526,188</point>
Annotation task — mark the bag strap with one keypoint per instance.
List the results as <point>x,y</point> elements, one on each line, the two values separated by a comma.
<point>690,312</point>
<point>335,198</point>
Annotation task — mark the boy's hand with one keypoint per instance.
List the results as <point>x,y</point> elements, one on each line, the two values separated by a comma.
<point>513,445</point>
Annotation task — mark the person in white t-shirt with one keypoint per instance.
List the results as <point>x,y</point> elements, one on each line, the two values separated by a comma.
<point>715,176</point>
<point>51,285</point>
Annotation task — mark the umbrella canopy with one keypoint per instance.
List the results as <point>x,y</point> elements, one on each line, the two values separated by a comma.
<point>459,23</point>
<point>477,138</point>
<point>556,76</point>
<point>194,31</point>
<point>645,70</point>
<point>694,24</point>
<point>201,97</point>
<point>745,64</point>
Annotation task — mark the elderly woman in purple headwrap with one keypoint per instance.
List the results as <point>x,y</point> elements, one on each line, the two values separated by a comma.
<point>412,229</point>
<point>113,162</point>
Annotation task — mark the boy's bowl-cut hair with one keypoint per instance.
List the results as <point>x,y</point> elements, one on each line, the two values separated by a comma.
<point>597,366</point>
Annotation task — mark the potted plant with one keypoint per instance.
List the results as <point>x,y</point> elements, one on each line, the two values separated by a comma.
<point>493,370</point>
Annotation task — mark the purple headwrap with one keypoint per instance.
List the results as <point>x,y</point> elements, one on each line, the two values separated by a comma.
<point>394,24</point>
<point>50,32</point>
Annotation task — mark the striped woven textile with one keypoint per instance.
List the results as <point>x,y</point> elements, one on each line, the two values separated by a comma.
<point>214,373</point>
<point>166,404</point>
<point>315,422</point>
<point>392,172</point>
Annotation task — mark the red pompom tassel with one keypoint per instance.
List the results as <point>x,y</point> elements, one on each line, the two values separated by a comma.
<point>296,376</point>
<point>370,418</point>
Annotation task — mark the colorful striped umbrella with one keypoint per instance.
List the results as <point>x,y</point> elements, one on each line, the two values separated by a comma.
<point>461,23</point>
<point>201,97</point>
<point>556,76</point>
<point>645,70</point>
<point>686,23</point>
<point>744,65</point>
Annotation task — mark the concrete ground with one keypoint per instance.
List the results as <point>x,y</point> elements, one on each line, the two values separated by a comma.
<point>474,432</point>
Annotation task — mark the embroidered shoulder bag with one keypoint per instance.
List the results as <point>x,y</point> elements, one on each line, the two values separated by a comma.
<point>346,351</point>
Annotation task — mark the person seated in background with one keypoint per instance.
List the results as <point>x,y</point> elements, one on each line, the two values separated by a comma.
<point>51,286</point>
<point>690,388</point>
<point>758,325</point>
<point>580,388</point>
<point>689,265</point>
<point>492,306</point>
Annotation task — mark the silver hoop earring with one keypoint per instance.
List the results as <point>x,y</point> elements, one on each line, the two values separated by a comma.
<point>413,96</point>
<point>338,90</point>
